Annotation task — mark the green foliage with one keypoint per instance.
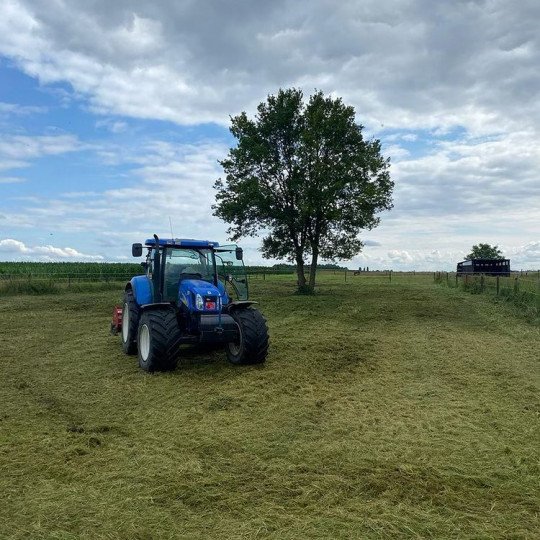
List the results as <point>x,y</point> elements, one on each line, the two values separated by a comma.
<point>60,272</point>
<point>69,269</point>
<point>304,173</point>
<point>385,410</point>
<point>484,251</point>
<point>324,266</point>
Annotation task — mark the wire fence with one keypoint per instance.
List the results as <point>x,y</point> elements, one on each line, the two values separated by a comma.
<point>522,288</point>
<point>344,275</point>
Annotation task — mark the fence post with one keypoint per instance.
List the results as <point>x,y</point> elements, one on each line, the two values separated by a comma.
<point>516,285</point>
<point>498,286</point>
<point>447,278</point>
<point>456,279</point>
<point>345,275</point>
<point>390,276</point>
<point>482,282</point>
<point>264,276</point>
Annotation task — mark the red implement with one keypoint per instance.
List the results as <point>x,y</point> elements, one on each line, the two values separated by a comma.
<point>116,324</point>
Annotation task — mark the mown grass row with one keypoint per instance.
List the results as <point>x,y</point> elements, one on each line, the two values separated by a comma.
<point>38,284</point>
<point>385,410</point>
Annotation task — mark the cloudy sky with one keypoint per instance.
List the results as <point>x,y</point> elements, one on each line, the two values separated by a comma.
<point>113,116</point>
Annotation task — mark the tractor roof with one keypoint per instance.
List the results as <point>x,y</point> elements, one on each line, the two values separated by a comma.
<point>182,242</point>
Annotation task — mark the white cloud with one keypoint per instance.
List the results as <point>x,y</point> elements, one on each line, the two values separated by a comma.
<point>527,256</point>
<point>114,126</point>
<point>370,243</point>
<point>16,150</point>
<point>400,256</point>
<point>471,177</point>
<point>402,64</point>
<point>20,110</point>
<point>11,180</point>
<point>167,180</point>
<point>15,249</point>
<point>443,68</point>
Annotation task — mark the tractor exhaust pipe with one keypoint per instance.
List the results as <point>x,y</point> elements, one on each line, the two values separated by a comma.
<point>157,271</point>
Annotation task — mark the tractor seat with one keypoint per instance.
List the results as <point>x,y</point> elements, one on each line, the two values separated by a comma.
<point>191,275</point>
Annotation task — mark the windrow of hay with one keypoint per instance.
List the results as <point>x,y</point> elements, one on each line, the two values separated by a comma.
<point>385,410</point>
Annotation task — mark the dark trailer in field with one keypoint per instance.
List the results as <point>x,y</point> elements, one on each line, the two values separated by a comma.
<point>491,267</point>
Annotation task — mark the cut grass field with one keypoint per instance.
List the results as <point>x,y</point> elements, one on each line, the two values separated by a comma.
<point>401,410</point>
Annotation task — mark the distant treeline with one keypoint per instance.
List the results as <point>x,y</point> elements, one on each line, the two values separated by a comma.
<point>120,270</point>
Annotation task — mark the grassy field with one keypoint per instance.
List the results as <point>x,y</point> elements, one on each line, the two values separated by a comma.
<point>385,410</point>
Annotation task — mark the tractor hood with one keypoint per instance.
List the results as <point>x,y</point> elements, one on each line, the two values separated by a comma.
<point>200,296</point>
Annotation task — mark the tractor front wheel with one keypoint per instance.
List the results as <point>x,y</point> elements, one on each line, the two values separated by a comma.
<point>252,345</point>
<point>130,322</point>
<point>158,340</point>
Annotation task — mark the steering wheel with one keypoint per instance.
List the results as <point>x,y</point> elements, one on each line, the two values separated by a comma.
<point>190,275</point>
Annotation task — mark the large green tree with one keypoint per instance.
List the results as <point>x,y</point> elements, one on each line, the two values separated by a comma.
<point>484,251</point>
<point>303,174</point>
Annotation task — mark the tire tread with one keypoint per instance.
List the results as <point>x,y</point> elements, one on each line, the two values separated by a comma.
<point>255,337</point>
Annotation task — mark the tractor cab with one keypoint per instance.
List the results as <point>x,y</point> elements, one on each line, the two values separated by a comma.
<point>170,262</point>
<point>193,291</point>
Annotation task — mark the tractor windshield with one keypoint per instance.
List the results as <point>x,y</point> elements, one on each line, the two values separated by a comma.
<point>231,272</point>
<point>186,264</point>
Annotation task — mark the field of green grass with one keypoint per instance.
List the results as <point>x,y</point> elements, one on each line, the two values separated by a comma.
<point>385,410</point>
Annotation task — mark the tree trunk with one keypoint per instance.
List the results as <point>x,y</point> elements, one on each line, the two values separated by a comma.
<point>313,269</point>
<point>300,271</point>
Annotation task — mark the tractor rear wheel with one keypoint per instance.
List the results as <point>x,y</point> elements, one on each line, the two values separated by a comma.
<point>130,323</point>
<point>158,340</point>
<point>252,345</point>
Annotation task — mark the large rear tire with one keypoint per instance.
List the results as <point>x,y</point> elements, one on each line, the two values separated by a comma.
<point>130,323</point>
<point>252,345</point>
<point>158,340</point>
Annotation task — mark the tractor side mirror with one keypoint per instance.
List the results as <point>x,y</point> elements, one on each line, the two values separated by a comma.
<point>239,253</point>
<point>136,250</point>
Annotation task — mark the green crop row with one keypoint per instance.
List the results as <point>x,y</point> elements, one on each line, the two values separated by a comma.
<point>95,270</point>
<point>66,269</point>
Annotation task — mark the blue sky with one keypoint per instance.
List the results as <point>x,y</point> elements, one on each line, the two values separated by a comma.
<point>113,118</point>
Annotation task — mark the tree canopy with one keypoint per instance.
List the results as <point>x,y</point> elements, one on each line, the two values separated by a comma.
<point>484,251</point>
<point>304,176</point>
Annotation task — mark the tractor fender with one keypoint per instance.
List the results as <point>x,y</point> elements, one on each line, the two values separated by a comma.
<point>142,289</point>
<point>239,304</point>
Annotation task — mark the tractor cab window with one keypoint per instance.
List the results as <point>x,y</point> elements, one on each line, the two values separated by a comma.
<point>183,264</point>
<point>231,272</point>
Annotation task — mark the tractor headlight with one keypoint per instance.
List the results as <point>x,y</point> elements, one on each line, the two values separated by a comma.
<point>199,302</point>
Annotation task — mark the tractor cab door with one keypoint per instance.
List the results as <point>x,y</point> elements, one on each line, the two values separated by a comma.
<point>231,271</point>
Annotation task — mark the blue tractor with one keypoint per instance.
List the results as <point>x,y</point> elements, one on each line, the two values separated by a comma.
<point>193,292</point>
